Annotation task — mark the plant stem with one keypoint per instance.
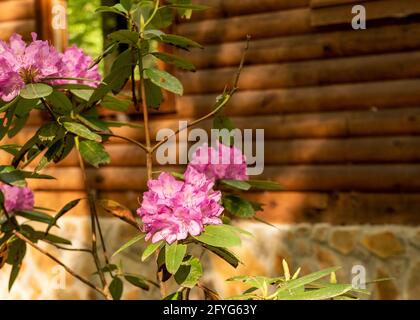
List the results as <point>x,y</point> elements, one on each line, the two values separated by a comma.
<point>70,271</point>
<point>139,144</point>
<point>92,208</point>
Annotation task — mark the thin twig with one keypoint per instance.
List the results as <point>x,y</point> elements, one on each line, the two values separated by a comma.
<point>70,271</point>
<point>219,104</point>
<point>139,144</point>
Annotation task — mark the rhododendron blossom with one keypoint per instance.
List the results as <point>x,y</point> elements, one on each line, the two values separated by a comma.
<point>221,162</point>
<point>16,198</point>
<point>76,65</point>
<point>22,63</point>
<point>171,209</point>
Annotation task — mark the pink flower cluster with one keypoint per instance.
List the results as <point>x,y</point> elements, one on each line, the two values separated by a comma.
<point>22,63</point>
<point>171,209</point>
<point>221,162</point>
<point>16,198</point>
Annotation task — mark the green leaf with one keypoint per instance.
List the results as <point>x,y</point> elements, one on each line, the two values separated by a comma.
<point>115,104</point>
<point>84,94</point>
<point>189,273</point>
<point>114,82</point>
<point>225,254</point>
<point>8,105</point>
<point>154,96</point>
<point>35,91</point>
<point>317,294</point>
<point>163,18</point>
<point>179,41</point>
<point>150,249</point>
<point>164,80</point>
<point>237,184</point>
<point>10,148</point>
<point>137,282</point>
<point>103,9</point>
<point>52,238</point>
<point>129,244</point>
<point>264,185</point>
<point>13,177</point>
<point>125,36</point>
<point>94,153</point>
<point>62,212</point>
<point>116,288</point>
<point>219,236</point>
<point>36,216</point>
<point>238,206</point>
<point>127,4</point>
<point>61,104</point>
<point>17,251</point>
<point>175,60</point>
<point>25,106</point>
<point>300,282</point>
<point>48,133</point>
<point>81,131</point>
<point>174,254</point>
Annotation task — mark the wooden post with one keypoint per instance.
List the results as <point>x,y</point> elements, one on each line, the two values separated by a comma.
<point>52,21</point>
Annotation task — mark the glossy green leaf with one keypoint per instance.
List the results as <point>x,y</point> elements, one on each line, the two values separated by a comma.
<point>94,153</point>
<point>150,249</point>
<point>329,292</point>
<point>225,254</point>
<point>125,36</point>
<point>36,90</point>
<point>219,236</point>
<point>174,254</point>
<point>180,41</point>
<point>164,80</point>
<point>60,102</point>
<point>175,60</point>
<point>154,96</point>
<point>238,206</point>
<point>116,288</point>
<point>66,208</point>
<point>137,281</point>
<point>82,131</point>
<point>36,216</point>
<point>129,244</point>
<point>189,273</point>
<point>236,184</point>
<point>115,104</point>
<point>264,185</point>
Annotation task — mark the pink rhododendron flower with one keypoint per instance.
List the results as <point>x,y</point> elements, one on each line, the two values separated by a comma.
<point>171,209</point>
<point>21,63</point>
<point>16,198</point>
<point>222,162</point>
<point>76,65</point>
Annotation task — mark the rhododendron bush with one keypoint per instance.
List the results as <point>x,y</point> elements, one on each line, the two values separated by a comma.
<point>178,211</point>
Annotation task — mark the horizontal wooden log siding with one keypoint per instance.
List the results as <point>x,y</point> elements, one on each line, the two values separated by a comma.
<point>11,10</point>
<point>379,9</point>
<point>309,73</point>
<point>378,177</point>
<point>264,25</point>
<point>398,122</point>
<point>373,40</point>
<point>226,8</point>
<point>299,151</point>
<point>23,27</point>
<point>340,110</point>
<point>354,96</point>
<point>329,3</point>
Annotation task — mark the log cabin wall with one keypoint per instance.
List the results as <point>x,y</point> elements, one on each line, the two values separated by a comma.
<point>341,113</point>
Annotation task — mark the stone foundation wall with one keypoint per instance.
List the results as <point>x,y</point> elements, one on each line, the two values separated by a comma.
<point>378,251</point>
